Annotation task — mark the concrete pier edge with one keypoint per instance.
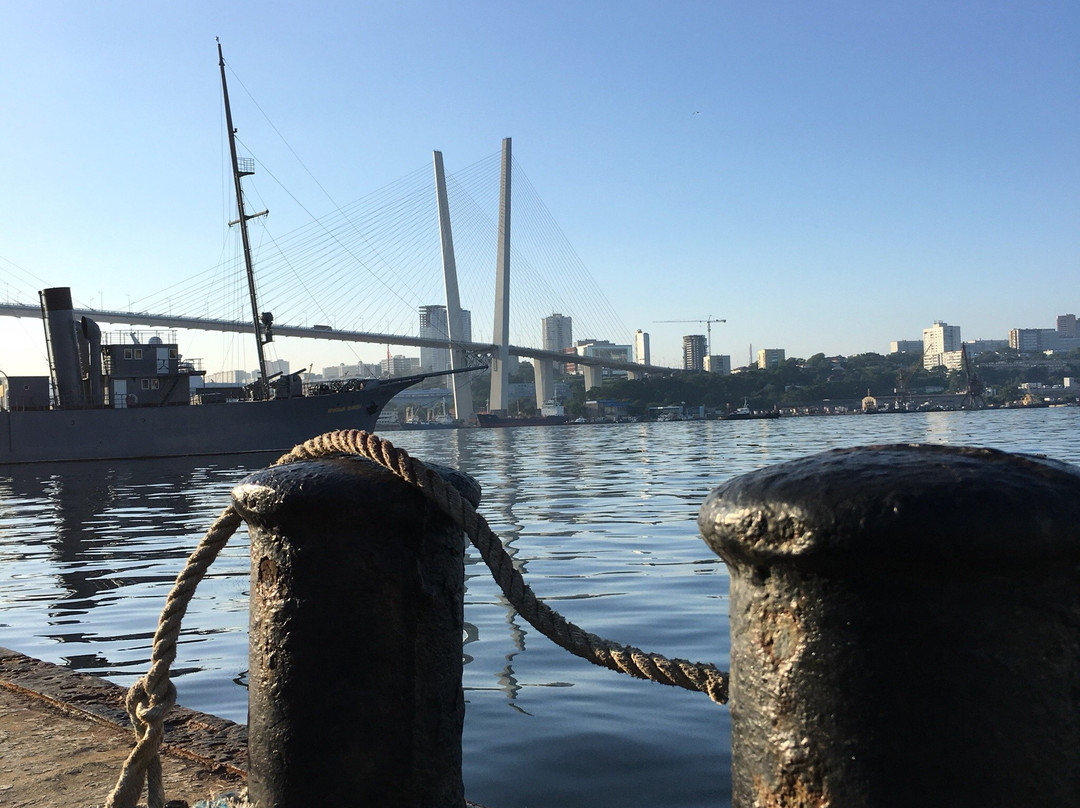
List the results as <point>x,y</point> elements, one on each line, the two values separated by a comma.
<point>64,735</point>
<point>216,747</point>
<point>207,739</point>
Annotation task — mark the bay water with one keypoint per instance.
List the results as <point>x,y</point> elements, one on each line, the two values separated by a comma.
<point>601,520</point>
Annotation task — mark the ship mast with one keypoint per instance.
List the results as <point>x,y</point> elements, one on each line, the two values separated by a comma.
<point>242,220</point>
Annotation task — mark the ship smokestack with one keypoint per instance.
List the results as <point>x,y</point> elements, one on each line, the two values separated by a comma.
<point>91,336</point>
<point>60,328</point>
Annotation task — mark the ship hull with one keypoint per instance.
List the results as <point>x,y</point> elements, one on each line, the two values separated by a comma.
<point>34,436</point>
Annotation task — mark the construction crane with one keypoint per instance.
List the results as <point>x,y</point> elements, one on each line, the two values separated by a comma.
<point>708,327</point>
<point>973,394</point>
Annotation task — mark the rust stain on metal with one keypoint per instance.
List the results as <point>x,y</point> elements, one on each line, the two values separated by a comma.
<point>780,636</point>
<point>268,572</point>
<point>794,790</point>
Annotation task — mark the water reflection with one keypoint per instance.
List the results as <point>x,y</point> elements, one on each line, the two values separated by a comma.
<point>601,520</point>
<point>92,549</point>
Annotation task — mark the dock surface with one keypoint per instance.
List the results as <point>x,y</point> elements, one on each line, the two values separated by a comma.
<point>64,737</point>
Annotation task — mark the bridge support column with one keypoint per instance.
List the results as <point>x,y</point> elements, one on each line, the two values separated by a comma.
<point>500,367</point>
<point>592,377</point>
<point>543,379</point>
<point>459,383</point>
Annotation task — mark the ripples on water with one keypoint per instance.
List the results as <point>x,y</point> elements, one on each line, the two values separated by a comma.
<point>601,520</point>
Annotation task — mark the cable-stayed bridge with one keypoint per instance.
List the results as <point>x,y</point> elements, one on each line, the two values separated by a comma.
<point>369,337</point>
<point>378,261</point>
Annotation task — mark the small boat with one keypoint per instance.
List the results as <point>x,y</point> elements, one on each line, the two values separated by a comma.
<point>744,413</point>
<point>439,420</point>
<point>552,413</point>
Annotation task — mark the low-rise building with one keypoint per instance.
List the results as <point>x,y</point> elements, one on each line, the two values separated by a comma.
<point>399,365</point>
<point>603,349</point>
<point>230,377</point>
<point>1035,340</point>
<point>906,346</point>
<point>981,346</point>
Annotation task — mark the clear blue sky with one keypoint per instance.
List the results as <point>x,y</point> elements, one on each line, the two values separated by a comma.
<point>826,176</point>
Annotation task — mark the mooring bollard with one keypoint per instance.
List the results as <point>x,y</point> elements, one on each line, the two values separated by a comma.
<point>905,628</point>
<point>357,593</point>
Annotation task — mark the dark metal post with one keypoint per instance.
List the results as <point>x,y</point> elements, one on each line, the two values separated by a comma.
<point>905,628</point>
<point>357,592</point>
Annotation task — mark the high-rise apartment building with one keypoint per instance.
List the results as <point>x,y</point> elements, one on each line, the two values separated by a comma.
<point>641,348</point>
<point>1066,326</point>
<point>558,332</point>
<point>694,348</point>
<point>939,340</point>
<point>558,335</point>
<point>277,366</point>
<point>718,363</point>
<point>770,357</point>
<point>434,324</point>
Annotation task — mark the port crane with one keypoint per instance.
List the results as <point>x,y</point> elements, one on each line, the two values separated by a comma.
<point>973,394</point>
<point>708,327</point>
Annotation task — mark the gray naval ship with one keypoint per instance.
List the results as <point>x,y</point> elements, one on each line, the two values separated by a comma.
<point>130,396</point>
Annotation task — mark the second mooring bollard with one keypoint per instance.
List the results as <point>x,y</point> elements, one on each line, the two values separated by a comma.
<point>905,628</point>
<point>357,593</point>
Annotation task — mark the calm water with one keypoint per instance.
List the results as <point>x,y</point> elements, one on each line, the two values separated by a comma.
<point>601,519</point>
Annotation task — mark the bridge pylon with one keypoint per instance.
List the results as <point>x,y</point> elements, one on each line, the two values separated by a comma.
<point>463,402</point>
<point>500,367</point>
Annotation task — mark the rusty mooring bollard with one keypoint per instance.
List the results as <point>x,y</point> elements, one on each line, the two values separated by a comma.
<point>905,628</point>
<point>357,592</point>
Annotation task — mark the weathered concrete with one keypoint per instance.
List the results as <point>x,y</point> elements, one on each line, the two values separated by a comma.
<point>64,736</point>
<point>905,628</point>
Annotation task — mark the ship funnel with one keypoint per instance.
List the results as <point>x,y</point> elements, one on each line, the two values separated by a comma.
<point>63,341</point>
<point>91,334</point>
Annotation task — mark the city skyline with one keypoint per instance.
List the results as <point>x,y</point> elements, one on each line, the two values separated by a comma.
<point>1064,324</point>
<point>940,345</point>
<point>826,179</point>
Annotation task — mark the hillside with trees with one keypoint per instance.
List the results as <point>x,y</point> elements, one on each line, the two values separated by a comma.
<point>810,383</point>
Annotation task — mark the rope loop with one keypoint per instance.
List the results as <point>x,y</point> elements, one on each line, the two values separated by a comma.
<point>682,673</point>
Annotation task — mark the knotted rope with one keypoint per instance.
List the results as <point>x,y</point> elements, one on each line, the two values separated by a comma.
<point>150,698</point>
<point>153,695</point>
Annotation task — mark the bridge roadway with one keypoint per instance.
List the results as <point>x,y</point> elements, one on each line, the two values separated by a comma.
<point>207,324</point>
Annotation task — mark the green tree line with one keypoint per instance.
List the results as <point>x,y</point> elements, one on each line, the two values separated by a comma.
<point>808,382</point>
<point>819,378</point>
